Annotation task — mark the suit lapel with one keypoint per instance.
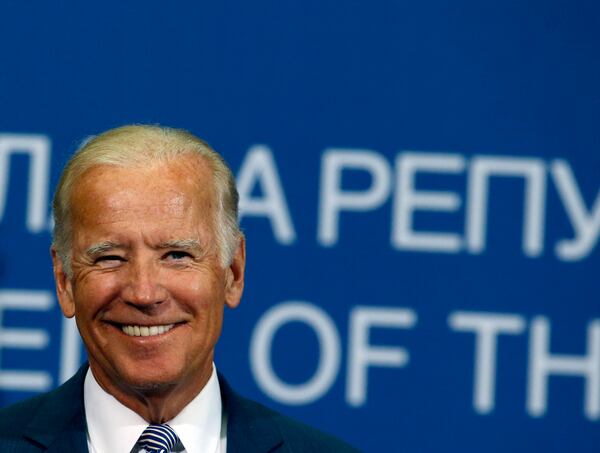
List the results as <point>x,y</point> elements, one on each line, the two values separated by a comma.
<point>250,427</point>
<point>59,423</point>
<point>72,439</point>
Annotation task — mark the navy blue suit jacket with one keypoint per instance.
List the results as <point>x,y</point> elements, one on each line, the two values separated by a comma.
<point>55,422</point>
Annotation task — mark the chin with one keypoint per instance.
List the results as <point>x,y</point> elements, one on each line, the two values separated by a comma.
<point>157,381</point>
<point>152,388</point>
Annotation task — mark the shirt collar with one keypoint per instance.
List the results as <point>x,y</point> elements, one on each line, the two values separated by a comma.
<point>114,427</point>
<point>198,425</point>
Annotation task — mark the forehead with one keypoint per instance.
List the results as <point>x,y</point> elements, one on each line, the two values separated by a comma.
<point>150,193</point>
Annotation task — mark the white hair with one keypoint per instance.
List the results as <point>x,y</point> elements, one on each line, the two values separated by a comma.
<point>138,146</point>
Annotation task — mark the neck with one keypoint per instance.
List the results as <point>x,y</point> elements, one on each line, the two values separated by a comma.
<point>155,403</point>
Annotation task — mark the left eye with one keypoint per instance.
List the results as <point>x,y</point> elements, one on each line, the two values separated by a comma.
<point>177,255</point>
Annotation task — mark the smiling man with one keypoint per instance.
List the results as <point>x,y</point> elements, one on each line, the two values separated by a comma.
<point>147,252</point>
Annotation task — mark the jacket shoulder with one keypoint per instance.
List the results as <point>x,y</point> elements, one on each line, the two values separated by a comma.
<point>37,422</point>
<point>15,418</point>
<point>255,420</point>
<point>302,437</point>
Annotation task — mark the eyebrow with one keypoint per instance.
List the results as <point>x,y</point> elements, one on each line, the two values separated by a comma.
<point>185,244</point>
<point>101,247</point>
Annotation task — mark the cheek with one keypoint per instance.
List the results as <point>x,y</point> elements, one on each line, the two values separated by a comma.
<point>196,289</point>
<point>94,292</point>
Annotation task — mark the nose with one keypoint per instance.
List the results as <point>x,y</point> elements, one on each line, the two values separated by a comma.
<point>144,288</point>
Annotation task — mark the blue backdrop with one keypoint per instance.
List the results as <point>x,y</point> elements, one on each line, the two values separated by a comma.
<point>420,193</point>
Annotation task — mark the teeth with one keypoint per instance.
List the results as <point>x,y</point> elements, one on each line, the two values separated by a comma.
<point>145,331</point>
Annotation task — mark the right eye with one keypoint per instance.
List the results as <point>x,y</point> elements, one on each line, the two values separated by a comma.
<point>109,261</point>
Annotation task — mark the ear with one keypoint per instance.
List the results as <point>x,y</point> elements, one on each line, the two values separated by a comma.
<point>235,275</point>
<point>64,288</point>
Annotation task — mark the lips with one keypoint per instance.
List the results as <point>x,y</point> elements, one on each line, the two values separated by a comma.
<point>146,331</point>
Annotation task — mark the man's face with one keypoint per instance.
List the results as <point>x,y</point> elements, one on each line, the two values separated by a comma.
<point>147,288</point>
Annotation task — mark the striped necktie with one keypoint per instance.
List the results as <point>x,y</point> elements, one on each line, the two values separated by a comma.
<point>158,439</point>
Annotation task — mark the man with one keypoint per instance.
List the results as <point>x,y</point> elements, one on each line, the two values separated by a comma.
<point>147,252</point>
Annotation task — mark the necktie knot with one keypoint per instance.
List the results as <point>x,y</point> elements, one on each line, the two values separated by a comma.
<point>158,439</point>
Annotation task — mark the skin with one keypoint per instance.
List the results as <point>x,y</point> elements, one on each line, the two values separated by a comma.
<point>144,252</point>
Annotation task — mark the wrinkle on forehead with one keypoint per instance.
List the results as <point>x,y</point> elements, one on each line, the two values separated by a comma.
<point>173,202</point>
<point>157,200</point>
<point>160,188</point>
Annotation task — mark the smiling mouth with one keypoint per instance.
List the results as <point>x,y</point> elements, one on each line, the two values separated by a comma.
<point>146,331</point>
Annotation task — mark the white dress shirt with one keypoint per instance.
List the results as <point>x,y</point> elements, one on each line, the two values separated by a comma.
<point>114,428</point>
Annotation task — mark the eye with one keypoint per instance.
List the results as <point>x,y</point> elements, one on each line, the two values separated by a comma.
<point>109,260</point>
<point>177,255</point>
